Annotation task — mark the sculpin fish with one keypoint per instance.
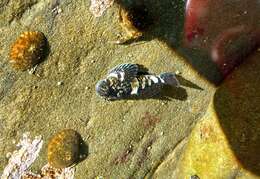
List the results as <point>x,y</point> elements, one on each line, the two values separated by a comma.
<point>126,81</point>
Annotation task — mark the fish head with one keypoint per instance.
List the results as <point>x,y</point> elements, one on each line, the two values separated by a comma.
<point>104,89</point>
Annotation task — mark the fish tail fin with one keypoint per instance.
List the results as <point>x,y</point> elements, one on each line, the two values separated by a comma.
<point>170,79</point>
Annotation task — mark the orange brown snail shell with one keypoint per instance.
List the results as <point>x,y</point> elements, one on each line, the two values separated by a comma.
<point>28,50</point>
<point>63,148</point>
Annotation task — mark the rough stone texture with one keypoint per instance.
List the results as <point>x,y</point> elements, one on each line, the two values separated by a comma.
<point>130,139</point>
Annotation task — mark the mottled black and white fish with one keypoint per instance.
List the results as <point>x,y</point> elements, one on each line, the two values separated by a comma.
<point>129,81</point>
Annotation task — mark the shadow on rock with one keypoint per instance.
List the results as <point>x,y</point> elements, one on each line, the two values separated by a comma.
<point>47,50</point>
<point>237,104</point>
<point>187,83</point>
<point>167,93</point>
<point>83,150</point>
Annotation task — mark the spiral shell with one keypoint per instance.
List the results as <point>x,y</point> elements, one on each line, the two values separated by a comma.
<point>63,148</point>
<point>28,50</point>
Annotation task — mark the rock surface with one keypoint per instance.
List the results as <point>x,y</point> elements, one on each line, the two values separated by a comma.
<point>130,139</point>
<point>225,142</point>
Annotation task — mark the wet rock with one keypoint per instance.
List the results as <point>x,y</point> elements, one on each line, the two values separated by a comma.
<point>225,143</point>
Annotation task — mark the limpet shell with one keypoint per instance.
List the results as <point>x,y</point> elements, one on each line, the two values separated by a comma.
<point>135,20</point>
<point>64,148</point>
<point>28,50</point>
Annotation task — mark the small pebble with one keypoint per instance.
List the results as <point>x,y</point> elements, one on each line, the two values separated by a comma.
<point>59,10</point>
<point>99,177</point>
<point>163,103</point>
<point>59,83</point>
<point>8,155</point>
<point>13,141</point>
<point>161,133</point>
<point>178,72</point>
<point>32,70</point>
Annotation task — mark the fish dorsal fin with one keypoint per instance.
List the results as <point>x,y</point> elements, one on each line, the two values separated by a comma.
<point>129,70</point>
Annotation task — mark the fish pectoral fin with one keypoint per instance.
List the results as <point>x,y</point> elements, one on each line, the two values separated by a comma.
<point>130,70</point>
